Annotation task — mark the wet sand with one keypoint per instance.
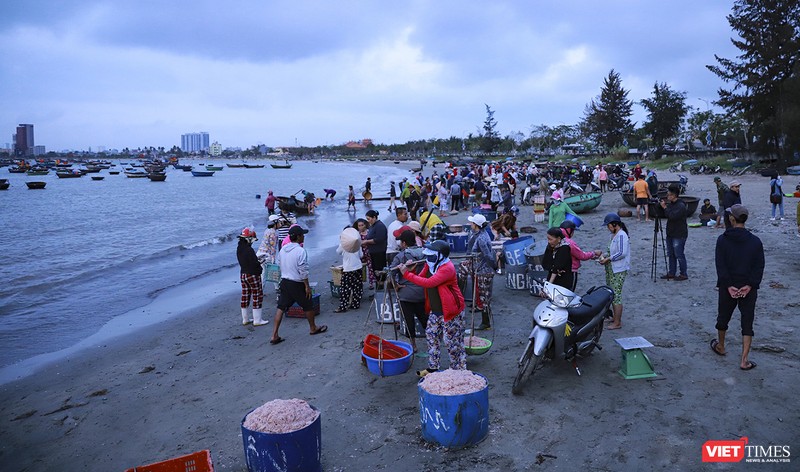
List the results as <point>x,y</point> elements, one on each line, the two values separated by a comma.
<point>186,383</point>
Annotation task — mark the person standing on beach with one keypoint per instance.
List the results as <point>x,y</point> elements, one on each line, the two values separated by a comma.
<point>444,304</point>
<point>557,259</point>
<point>776,195</point>
<point>270,203</point>
<point>722,189</point>
<point>362,226</point>
<point>293,260</point>
<point>250,277</point>
<point>568,229</point>
<point>603,179</point>
<point>642,193</point>
<point>411,296</point>
<point>481,266</point>
<point>392,195</point>
<point>443,194</point>
<point>375,244</point>
<point>558,211</point>
<point>731,198</point>
<point>392,245</point>
<point>268,249</point>
<point>739,258</point>
<point>677,234</point>
<point>351,198</point>
<point>352,288</point>
<point>618,263</point>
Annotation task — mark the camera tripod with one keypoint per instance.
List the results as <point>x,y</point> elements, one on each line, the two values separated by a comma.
<point>658,231</point>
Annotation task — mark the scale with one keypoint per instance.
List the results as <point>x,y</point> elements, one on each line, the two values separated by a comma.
<point>635,363</point>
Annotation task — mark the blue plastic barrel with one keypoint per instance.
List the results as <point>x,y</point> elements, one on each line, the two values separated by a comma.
<point>489,214</point>
<point>296,451</point>
<point>457,241</point>
<point>575,219</point>
<point>514,250</point>
<point>454,421</point>
<point>516,277</point>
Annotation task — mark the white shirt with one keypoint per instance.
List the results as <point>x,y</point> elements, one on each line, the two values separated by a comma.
<point>350,260</point>
<point>391,241</point>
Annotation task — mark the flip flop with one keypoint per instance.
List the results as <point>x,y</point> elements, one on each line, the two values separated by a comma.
<point>319,330</point>
<point>714,344</point>
<point>751,366</point>
<point>277,341</point>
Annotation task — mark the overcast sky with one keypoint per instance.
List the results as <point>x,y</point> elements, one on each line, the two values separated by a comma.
<point>141,73</point>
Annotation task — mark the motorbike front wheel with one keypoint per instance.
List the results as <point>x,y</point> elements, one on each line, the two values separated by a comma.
<point>527,367</point>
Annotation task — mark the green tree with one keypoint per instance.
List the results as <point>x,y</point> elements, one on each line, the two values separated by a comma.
<point>763,77</point>
<point>491,137</point>
<point>666,110</point>
<point>606,118</point>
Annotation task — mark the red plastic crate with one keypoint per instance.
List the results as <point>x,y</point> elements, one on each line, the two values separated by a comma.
<point>196,462</point>
<point>295,311</point>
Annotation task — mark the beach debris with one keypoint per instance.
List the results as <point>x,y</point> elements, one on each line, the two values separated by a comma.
<point>281,416</point>
<point>452,382</point>
<point>147,369</point>
<point>238,337</point>
<point>697,304</point>
<point>795,304</point>
<point>66,406</point>
<point>184,352</point>
<point>99,393</point>
<point>768,348</point>
<point>541,457</point>
<point>774,284</point>
<point>27,414</point>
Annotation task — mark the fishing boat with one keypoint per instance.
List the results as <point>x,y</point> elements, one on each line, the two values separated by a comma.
<point>214,168</point>
<point>285,165</point>
<point>4,184</point>
<point>254,166</point>
<point>97,177</point>
<point>793,170</point>
<point>416,169</point>
<point>181,167</point>
<point>157,176</point>
<point>38,171</point>
<point>234,166</point>
<point>18,169</point>
<point>69,174</point>
<point>35,185</point>
<point>134,174</point>
<point>113,172</point>
<point>203,173</point>
<point>584,202</point>
<point>293,205</point>
<point>691,202</point>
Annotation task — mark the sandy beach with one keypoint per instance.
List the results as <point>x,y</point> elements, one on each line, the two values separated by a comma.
<point>185,384</point>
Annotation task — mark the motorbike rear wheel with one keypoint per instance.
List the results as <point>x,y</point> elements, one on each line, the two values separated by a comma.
<point>596,333</point>
<point>527,367</point>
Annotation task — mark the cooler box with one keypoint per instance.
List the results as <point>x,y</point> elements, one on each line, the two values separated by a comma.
<point>295,311</point>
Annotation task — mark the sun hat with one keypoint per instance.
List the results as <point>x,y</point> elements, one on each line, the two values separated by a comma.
<point>610,218</point>
<point>478,219</point>
<point>350,240</point>
<point>415,226</point>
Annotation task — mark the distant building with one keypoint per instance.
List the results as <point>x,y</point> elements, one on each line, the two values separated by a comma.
<point>215,149</point>
<point>23,140</point>
<point>39,151</point>
<point>358,144</point>
<point>195,142</point>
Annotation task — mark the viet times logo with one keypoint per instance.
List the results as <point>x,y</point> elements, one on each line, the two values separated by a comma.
<point>736,451</point>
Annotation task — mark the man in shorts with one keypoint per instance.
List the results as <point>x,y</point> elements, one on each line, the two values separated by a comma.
<point>642,193</point>
<point>294,287</point>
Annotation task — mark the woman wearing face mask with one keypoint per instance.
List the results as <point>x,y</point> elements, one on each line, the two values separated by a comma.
<point>444,303</point>
<point>557,259</point>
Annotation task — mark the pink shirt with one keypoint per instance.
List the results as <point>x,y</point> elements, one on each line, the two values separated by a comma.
<point>603,175</point>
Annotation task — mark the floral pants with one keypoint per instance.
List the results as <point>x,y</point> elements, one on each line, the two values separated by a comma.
<point>251,287</point>
<point>351,291</point>
<point>485,284</point>
<point>452,333</point>
<point>615,281</point>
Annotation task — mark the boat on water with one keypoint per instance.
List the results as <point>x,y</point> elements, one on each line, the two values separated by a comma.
<point>416,169</point>
<point>113,172</point>
<point>69,174</point>
<point>793,170</point>
<point>4,184</point>
<point>235,166</point>
<point>584,202</point>
<point>35,185</point>
<point>214,168</point>
<point>38,171</point>
<point>157,176</point>
<point>293,205</point>
<point>182,167</point>
<point>203,173</point>
<point>285,165</point>
<point>18,169</point>
<point>97,177</point>
<point>254,166</point>
<point>135,174</point>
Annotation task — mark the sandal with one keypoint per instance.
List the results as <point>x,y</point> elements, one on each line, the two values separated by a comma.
<point>319,330</point>
<point>340,310</point>
<point>751,365</point>
<point>423,373</point>
<point>714,344</point>
<point>276,341</point>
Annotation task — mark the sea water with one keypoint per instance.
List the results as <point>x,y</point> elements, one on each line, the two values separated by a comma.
<point>81,252</point>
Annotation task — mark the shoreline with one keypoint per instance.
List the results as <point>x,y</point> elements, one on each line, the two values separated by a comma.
<point>185,383</point>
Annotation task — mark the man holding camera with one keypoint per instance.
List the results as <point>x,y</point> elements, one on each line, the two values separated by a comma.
<point>677,233</point>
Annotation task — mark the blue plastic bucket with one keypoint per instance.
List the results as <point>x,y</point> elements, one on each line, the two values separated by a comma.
<point>296,451</point>
<point>578,222</point>
<point>454,421</point>
<point>457,241</point>
<point>514,250</point>
<point>391,366</point>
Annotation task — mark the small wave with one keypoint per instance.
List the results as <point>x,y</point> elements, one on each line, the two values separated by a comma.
<point>157,291</point>
<point>208,242</point>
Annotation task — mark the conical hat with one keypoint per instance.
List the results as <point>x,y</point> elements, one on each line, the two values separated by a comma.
<point>350,240</point>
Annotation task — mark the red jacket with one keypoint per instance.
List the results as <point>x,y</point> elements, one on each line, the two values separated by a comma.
<point>446,282</point>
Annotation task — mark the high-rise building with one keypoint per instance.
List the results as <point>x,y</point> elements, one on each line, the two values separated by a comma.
<point>23,144</point>
<point>195,142</point>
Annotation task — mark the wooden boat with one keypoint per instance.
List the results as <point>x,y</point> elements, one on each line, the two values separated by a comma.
<point>92,169</point>
<point>793,170</point>
<point>769,172</point>
<point>35,185</point>
<point>254,166</point>
<point>69,174</point>
<point>135,174</point>
<point>286,165</point>
<point>292,205</point>
<point>416,169</point>
<point>17,169</point>
<point>202,173</point>
<point>691,202</point>
<point>214,168</point>
<point>182,167</point>
<point>97,177</point>
<point>4,184</point>
<point>187,168</point>
<point>38,171</point>
<point>584,202</point>
<point>234,166</point>
<point>113,172</point>
<point>157,176</point>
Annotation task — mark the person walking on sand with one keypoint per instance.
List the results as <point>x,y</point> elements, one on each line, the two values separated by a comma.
<point>351,198</point>
<point>677,234</point>
<point>392,195</point>
<point>444,304</point>
<point>352,288</point>
<point>294,288</point>
<point>776,195</point>
<point>722,189</point>
<point>642,193</point>
<point>270,203</point>
<point>250,277</point>
<point>739,258</point>
<point>618,263</point>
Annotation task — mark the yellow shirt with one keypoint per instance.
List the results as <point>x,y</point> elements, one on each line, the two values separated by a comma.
<point>640,188</point>
<point>431,222</point>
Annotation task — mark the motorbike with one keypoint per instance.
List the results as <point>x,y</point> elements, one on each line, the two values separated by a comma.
<point>619,182</point>
<point>565,326</point>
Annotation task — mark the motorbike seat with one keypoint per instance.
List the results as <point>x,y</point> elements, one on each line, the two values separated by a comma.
<point>593,303</point>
